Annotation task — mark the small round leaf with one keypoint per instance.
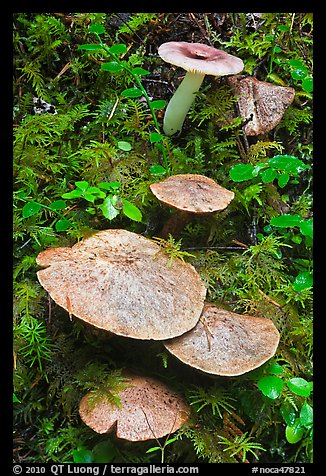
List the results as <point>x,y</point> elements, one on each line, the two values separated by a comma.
<point>118,49</point>
<point>294,433</point>
<point>132,93</point>
<point>97,28</point>
<point>131,211</point>
<point>62,225</point>
<point>123,145</point>
<point>300,386</point>
<point>271,386</point>
<point>30,209</point>
<point>241,172</point>
<point>306,415</point>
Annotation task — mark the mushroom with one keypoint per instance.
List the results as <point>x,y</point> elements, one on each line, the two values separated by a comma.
<point>261,104</point>
<point>197,59</point>
<point>148,409</point>
<point>123,283</point>
<point>190,194</point>
<point>226,343</point>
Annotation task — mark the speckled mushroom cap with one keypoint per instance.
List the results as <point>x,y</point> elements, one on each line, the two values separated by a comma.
<point>197,57</point>
<point>192,193</point>
<point>261,104</point>
<point>149,409</point>
<point>122,282</point>
<point>226,343</point>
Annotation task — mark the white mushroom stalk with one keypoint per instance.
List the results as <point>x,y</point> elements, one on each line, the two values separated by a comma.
<point>181,102</point>
<point>198,60</point>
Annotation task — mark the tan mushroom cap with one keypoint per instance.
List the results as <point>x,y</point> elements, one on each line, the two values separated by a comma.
<point>197,57</point>
<point>122,282</point>
<point>149,409</point>
<point>226,343</point>
<point>260,103</point>
<point>192,193</point>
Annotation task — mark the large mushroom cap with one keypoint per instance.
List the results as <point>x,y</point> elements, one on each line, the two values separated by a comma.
<point>226,343</point>
<point>192,193</point>
<point>261,104</point>
<point>200,58</point>
<point>148,410</point>
<point>122,282</point>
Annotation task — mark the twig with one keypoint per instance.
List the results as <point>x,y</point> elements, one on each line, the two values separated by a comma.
<point>270,299</point>
<point>208,332</point>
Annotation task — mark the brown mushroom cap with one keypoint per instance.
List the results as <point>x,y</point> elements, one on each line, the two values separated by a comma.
<point>226,343</point>
<point>261,104</point>
<point>122,282</point>
<point>200,58</point>
<point>149,409</point>
<point>192,193</point>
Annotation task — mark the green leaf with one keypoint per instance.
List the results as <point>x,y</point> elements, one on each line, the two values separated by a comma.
<point>283,221</point>
<point>297,64</point>
<point>111,186</point>
<point>271,386</point>
<point>268,175</point>
<point>288,413</point>
<point>303,281</point>
<point>306,227</point>
<point>283,180</point>
<point>306,415</point>
<point>15,399</point>
<point>108,209</point>
<point>30,209</point>
<point>104,452</point>
<point>132,93</point>
<point>58,205</point>
<point>299,73</point>
<point>294,433</point>
<point>308,85</point>
<point>154,448</point>
<point>97,28</point>
<point>62,225</point>
<point>140,71</point>
<point>275,369</point>
<point>155,137</point>
<point>157,170</point>
<point>73,194</point>
<point>82,456</point>
<point>131,211</point>
<point>118,49</point>
<point>82,185</point>
<point>300,386</point>
<point>287,163</point>
<point>123,145</point>
<point>241,172</point>
<point>90,47</point>
<point>112,67</point>
<point>158,104</point>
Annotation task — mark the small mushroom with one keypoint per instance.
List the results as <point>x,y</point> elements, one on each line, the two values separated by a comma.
<point>226,343</point>
<point>148,409</point>
<point>119,281</point>
<point>190,194</point>
<point>261,104</point>
<point>198,60</point>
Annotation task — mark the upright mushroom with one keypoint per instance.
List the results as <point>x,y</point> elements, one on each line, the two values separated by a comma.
<point>198,60</point>
<point>121,282</point>
<point>261,104</point>
<point>148,410</point>
<point>190,194</point>
<point>226,343</point>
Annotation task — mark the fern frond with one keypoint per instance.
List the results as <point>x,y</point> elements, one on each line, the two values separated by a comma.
<point>216,398</point>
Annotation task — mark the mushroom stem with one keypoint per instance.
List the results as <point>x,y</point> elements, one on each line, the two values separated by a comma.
<point>180,102</point>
